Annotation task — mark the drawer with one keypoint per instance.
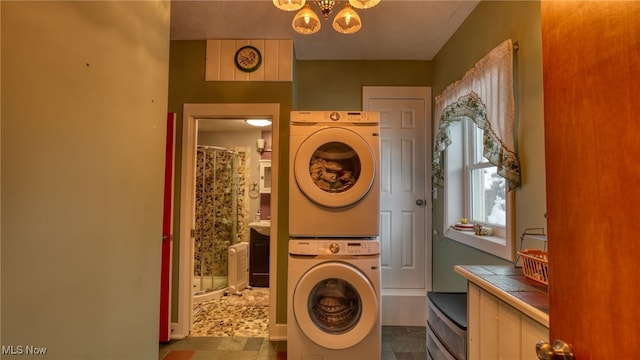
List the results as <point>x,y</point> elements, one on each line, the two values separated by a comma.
<point>450,335</point>
<point>435,349</point>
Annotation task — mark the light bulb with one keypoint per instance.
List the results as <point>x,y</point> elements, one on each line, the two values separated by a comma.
<point>363,4</point>
<point>306,21</point>
<point>347,21</point>
<point>289,5</point>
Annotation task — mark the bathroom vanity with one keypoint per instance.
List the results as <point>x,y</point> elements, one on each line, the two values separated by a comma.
<point>507,312</point>
<point>258,259</point>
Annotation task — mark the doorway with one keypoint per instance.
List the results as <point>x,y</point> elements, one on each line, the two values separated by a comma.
<point>405,220</point>
<point>218,116</point>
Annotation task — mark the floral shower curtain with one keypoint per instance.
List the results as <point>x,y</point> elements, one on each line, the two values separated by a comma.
<point>484,95</point>
<point>243,168</point>
<point>221,207</point>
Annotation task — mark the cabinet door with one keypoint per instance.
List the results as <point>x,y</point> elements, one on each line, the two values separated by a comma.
<point>532,332</point>
<point>496,330</point>
<point>259,262</point>
<point>265,176</point>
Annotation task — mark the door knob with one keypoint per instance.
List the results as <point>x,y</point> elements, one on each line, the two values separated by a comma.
<point>559,351</point>
<point>420,202</point>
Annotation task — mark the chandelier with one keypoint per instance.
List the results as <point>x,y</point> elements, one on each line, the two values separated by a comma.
<point>306,22</point>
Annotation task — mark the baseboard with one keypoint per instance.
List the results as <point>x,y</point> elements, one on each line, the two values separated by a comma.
<point>177,333</point>
<point>404,308</point>
<point>278,332</point>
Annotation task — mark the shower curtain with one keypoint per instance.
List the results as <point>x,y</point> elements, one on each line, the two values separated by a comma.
<point>221,213</point>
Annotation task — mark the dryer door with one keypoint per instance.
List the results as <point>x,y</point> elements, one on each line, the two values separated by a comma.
<point>335,305</point>
<point>335,167</point>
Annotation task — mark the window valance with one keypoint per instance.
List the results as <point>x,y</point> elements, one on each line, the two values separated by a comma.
<point>484,95</point>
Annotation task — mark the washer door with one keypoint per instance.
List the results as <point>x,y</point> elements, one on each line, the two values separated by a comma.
<point>335,305</point>
<point>334,167</point>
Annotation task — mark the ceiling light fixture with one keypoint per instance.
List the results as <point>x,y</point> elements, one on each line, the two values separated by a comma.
<point>306,22</point>
<point>258,122</point>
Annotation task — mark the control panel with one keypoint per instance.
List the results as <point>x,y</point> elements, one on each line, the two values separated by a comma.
<point>347,117</point>
<point>334,247</point>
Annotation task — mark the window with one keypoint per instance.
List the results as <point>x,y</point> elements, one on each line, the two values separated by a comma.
<point>475,191</point>
<point>474,154</point>
<point>486,203</point>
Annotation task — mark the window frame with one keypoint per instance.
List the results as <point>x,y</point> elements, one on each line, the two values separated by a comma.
<point>475,160</point>
<point>457,173</point>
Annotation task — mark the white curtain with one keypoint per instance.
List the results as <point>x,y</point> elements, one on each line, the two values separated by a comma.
<point>484,95</point>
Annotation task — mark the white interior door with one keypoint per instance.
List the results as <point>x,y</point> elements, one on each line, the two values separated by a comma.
<point>405,207</point>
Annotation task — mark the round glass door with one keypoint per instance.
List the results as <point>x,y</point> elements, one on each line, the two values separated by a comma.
<point>335,167</point>
<point>335,305</point>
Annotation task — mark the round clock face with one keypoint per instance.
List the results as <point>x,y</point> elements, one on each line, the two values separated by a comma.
<point>248,58</point>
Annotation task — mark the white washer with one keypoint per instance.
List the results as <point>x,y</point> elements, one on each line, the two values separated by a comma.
<point>334,299</point>
<point>334,169</point>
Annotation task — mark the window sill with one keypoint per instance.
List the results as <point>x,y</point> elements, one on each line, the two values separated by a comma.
<point>494,245</point>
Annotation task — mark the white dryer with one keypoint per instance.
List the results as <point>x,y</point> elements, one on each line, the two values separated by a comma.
<point>334,299</point>
<point>334,169</point>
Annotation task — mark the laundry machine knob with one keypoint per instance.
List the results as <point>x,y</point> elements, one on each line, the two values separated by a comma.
<point>334,248</point>
<point>334,116</point>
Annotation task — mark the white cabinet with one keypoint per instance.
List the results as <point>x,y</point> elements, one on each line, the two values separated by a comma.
<point>497,330</point>
<point>265,176</point>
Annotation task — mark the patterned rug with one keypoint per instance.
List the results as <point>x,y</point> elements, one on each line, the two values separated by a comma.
<point>233,316</point>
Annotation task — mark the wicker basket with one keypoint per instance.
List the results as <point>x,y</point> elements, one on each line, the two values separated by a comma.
<point>535,265</point>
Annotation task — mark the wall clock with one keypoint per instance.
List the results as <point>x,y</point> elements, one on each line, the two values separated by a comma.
<point>248,58</point>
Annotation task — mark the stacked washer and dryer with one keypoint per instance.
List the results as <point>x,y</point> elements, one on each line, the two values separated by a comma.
<point>334,251</point>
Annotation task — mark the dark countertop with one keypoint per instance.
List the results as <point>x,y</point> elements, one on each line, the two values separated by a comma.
<point>510,285</point>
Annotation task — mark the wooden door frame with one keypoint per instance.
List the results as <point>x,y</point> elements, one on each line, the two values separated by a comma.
<point>167,232</point>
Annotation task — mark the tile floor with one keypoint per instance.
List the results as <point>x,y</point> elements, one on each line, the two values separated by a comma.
<point>398,343</point>
<point>246,315</point>
<point>236,328</point>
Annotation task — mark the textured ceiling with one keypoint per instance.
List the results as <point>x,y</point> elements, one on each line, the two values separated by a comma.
<point>393,30</point>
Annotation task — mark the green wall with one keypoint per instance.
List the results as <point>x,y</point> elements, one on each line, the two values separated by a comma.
<point>187,85</point>
<point>318,85</point>
<point>84,103</point>
<point>321,85</point>
<point>337,85</point>
<point>488,25</point>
